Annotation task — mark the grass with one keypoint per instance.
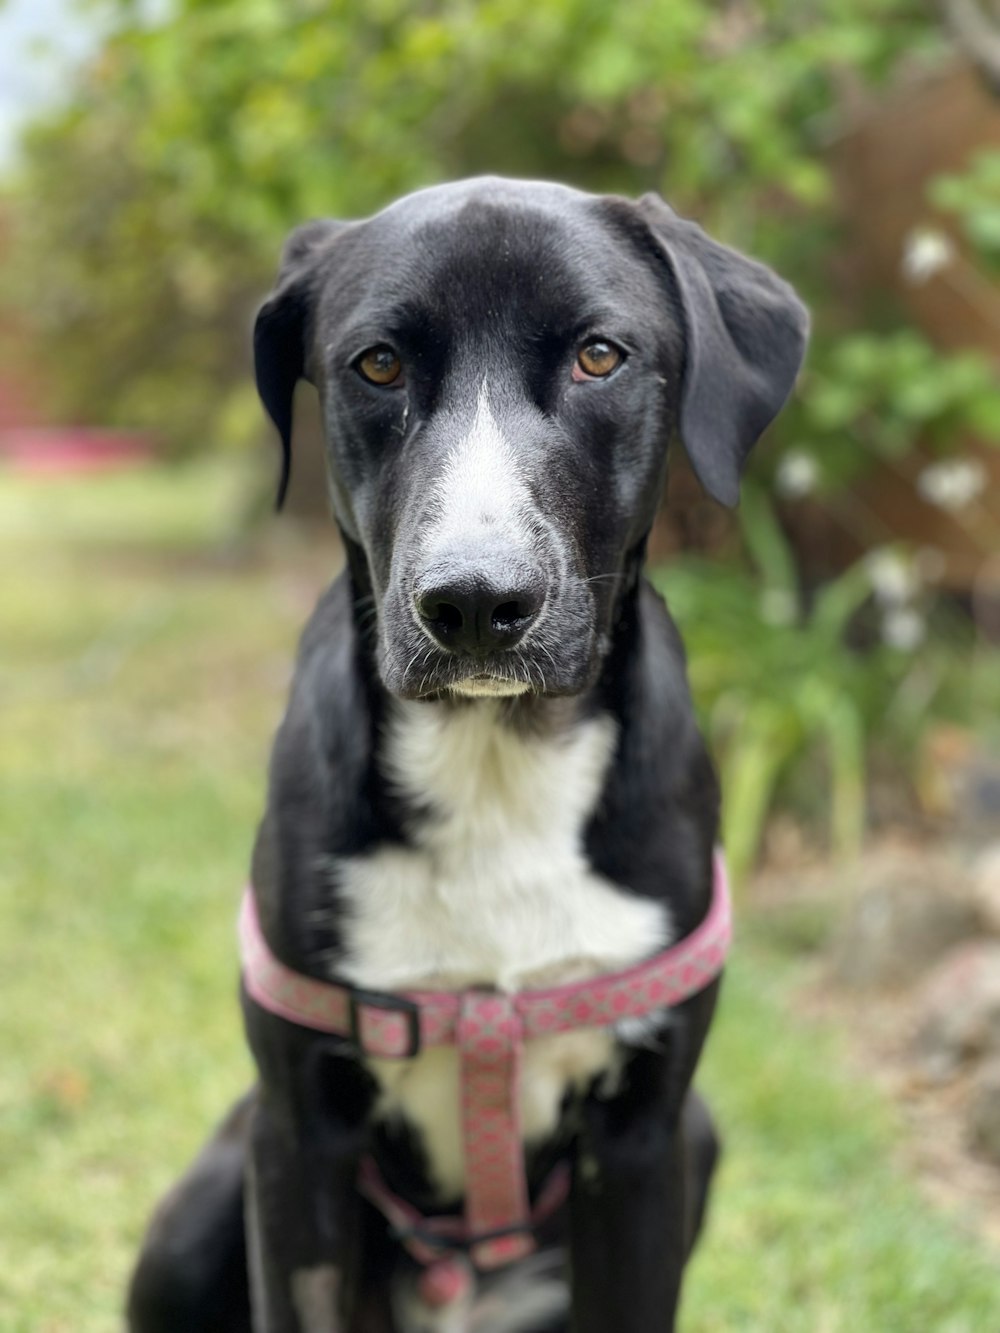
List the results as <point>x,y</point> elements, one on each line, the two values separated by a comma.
<point>141,678</point>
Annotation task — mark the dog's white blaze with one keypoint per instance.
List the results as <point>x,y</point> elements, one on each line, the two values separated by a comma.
<point>481,486</point>
<point>496,891</point>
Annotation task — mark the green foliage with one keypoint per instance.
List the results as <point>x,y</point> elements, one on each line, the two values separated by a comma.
<point>974,197</point>
<point>772,689</point>
<point>779,684</point>
<point>874,396</point>
<point>153,203</point>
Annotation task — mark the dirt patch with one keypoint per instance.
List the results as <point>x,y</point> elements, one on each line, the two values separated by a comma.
<point>886,1008</point>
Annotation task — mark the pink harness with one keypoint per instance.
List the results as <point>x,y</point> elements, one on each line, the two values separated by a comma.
<point>489,1029</point>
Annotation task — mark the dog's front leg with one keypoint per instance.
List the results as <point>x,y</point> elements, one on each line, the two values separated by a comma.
<point>302,1203</point>
<point>629,1228</point>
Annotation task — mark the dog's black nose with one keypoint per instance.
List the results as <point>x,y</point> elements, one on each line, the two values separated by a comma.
<point>474,613</point>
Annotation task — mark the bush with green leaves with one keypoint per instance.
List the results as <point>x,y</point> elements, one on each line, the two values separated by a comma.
<point>875,397</point>
<point>798,692</point>
<point>973,197</point>
<point>150,206</point>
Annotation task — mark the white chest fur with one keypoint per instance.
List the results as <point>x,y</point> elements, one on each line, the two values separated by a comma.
<point>495,890</point>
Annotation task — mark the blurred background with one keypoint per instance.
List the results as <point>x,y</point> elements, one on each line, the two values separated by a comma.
<point>843,627</point>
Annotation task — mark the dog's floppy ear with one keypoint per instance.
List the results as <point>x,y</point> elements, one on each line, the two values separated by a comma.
<point>746,333</point>
<point>279,335</point>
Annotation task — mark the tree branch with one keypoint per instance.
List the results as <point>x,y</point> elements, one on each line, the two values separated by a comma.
<point>975,25</point>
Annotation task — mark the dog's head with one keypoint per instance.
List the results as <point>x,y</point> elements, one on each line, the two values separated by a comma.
<point>501,365</point>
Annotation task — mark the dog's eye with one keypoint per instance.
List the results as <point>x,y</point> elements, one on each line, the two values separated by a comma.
<point>596,360</point>
<point>379,365</point>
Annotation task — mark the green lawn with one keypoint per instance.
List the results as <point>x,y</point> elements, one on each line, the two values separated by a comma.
<point>143,669</point>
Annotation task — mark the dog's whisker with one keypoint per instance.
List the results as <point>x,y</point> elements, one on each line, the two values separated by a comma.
<point>543,648</point>
<point>409,666</point>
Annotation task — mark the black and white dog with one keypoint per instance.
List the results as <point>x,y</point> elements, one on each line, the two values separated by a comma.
<point>489,773</point>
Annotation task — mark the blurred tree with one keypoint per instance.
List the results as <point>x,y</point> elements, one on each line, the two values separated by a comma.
<point>151,205</point>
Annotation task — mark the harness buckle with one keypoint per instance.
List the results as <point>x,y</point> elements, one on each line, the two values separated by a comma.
<point>390,1004</point>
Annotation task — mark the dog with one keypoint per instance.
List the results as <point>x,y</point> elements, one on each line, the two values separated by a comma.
<point>489,780</point>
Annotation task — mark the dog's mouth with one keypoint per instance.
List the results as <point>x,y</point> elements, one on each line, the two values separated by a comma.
<point>485,686</point>
<point>498,677</point>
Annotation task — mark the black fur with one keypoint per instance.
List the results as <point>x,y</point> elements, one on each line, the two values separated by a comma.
<point>503,280</point>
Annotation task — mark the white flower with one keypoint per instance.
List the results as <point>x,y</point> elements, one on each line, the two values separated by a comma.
<point>797,475</point>
<point>952,483</point>
<point>925,253</point>
<point>893,577</point>
<point>903,628</point>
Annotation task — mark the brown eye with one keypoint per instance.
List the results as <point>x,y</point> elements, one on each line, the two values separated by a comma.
<point>596,360</point>
<point>379,365</point>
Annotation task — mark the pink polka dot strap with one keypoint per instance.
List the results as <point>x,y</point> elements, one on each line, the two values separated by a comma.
<point>489,1030</point>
